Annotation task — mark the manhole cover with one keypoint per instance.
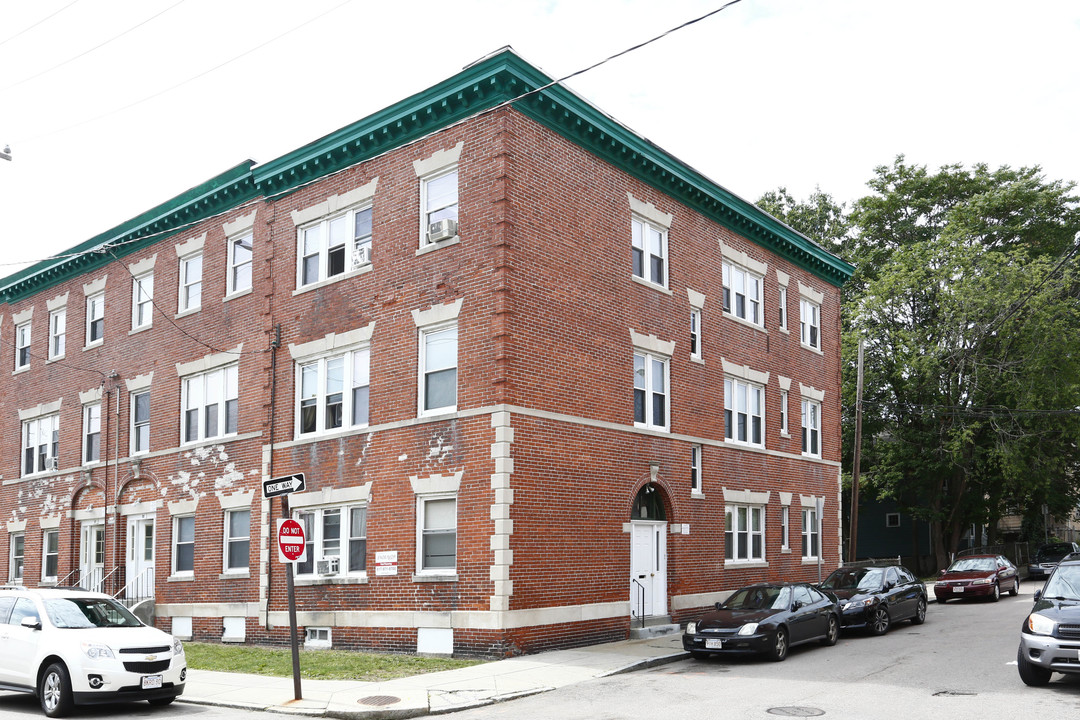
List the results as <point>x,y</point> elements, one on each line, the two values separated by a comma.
<point>379,700</point>
<point>795,711</point>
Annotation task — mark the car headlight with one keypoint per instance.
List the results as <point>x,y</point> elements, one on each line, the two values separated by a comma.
<point>1040,624</point>
<point>748,629</point>
<point>177,647</point>
<point>982,581</point>
<point>858,603</point>
<point>95,651</point>
<point>691,628</point>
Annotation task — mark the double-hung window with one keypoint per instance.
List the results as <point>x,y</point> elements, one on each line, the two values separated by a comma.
<point>742,293</point>
<point>140,422</point>
<point>237,540</point>
<point>809,534</point>
<point>336,541</point>
<point>142,301</point>
<point>783,308</point>
<point>744,412</point>
<point>18,556</point>
<point>439,201</point>
<point>95,319</point>
<point>784,412</point>
<point>50,554</point>
<point>183,545</point>
<point>744,534</point>
<point>333,245</point>
<point>649,251</point>
<point>333,392</point>
<point>811,428</point>
<point>785,527</point>
<point>240,253</point>
<point>438,369</point>
<point>437,541</point>
<point>650,391</point>
<point>695,468</point>
<point>210,402</point>
<point>92,433</point>
<point>810,323</point>
<point>22,345</point>
<point>695,333</point>
<point>191,274</point>
<point>57,333</point>
<point>41,444</point>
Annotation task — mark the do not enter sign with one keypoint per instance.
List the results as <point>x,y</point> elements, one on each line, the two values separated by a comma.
<point>290,539</point>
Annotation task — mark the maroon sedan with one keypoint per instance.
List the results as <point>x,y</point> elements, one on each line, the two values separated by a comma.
<point>985,576</point>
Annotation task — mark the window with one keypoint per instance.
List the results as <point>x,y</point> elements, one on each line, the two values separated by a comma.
<point>742,293</point>
<point>438,369</point>
<point>785,532</point>
<point>142,301</point>
<point>811,428</point>
<point>57,333</point>
<point>191,282</point>
<point>41,444</point>
<point>237,539</point>
<point>239,278</point>
<point>22,345</point>
<point>333,245</point>
<point>783,308</point>
<point>317,638</point>
<point>437,520</point>
<point>695,468</point>
<point>140,422</point>
<point>183,545</point>
<point>650,391</point>
<point>892,520</point>
<point>783,412</point>
<point>50,554</point>
<point>439,200</point>
<point>92,433</point>
<point>210,402</point>
<point>809,534</point>
<point>744,537</point>
<point>333,392</point>
<point>744,412</point>
<point>95,319</point>
<point>649,251</point>
<point>334,533</point>
<point>18,548</point>
<point>809,323</point>
<point>695,333</point>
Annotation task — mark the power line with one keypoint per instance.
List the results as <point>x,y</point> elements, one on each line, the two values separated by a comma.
<point>27,29</point>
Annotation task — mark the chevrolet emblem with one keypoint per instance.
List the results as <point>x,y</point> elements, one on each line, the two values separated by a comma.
<point>150,658</point>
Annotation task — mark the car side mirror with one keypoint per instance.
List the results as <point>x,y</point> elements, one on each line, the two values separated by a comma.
<point>719,606</point>
<point>796,605</point>
<point>1038,594</point>
<point>31,621</point>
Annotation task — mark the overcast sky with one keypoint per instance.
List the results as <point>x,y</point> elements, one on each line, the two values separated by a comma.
<point>113,106</point>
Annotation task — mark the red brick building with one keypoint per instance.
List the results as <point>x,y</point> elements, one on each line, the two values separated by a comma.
<point>542,378</point>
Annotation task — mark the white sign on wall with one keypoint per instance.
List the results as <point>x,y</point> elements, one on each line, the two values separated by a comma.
<point>386,562</point>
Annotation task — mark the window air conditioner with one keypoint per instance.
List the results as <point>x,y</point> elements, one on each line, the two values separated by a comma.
<point>327,566</point>
<point>52,463</point>
<point>441,230</point>
<point>361,256</point>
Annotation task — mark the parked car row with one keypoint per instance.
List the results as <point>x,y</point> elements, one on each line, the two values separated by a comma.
<point>985,576</point>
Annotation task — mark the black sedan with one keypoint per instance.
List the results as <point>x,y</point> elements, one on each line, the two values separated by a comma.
<point>875,597</point>
<point>765,619</point>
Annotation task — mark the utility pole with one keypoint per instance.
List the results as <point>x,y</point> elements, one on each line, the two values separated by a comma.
<point>855,464</point>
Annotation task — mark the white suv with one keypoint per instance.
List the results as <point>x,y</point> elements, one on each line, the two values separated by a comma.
<point>69,646</point>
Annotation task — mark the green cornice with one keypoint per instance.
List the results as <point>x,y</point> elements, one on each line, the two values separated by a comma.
<point>501,78</point>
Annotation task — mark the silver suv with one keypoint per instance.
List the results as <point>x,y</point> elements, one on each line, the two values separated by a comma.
<point>69,646</point>
<point>1050,635</point>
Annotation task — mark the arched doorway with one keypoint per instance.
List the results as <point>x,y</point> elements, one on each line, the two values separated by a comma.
<point>648,554</point>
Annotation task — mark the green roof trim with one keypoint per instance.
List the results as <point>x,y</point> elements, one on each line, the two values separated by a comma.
<point>501,78</point>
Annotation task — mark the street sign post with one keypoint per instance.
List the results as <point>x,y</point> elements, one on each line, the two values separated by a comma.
<point>283,485</point>
<point>290,540</point>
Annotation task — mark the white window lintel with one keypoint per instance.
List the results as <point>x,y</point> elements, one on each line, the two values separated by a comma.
<point>746,497</point>
<point>785,498</point>
<point>808,501</point>
<point>811,294</point>
<point>183,507</point>
<point>238,499</point>
<point>331,496</point>
<point>744,372</point>
<point>58,302</point>
<point>190,247</point>
<point>240,225</point>
<point>440,160</point>
<point>782,278</point>
<point>812,393</point>
<point>740,258</point>
<point>16,526</point>
<point>94,286</point>
<point>650,212</point>
<point>334,203</point>
<point>785,382</point>
<point>209,362</point>
<point>437,314</point>
<point>333,342</point>
<point>651,343</point>
<point>23,315</point>
<point>697,300</point>
<point>41,410</point>
<point>139,382</point>
<point>50,523</point>
<point>143,266</point>
<point>435,484</point>
<point>93,395</point>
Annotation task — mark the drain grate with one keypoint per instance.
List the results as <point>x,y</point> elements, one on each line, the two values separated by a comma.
<point>379,700</point>
<point>796,711</point>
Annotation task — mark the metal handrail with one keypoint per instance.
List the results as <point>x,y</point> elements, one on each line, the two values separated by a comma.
<point>103,583</point>
<point>140,584</point>
<point>641,600</point>
<point>64,581</point>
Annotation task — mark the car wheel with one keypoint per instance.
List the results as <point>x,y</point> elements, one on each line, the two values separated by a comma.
<point>832,633</point>
<point>54,691</point>
<point>1015,587</point>
<point>1032,675</point>
<point>995,594</point>
<point>699,655</point>
<point>161,702</point>
<point>780,645</point>
<point>920,613</point>
<point>879,621</point>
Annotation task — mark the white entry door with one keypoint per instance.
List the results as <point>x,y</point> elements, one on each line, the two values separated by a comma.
<point>648,568</point>
<point>92,557</point>
<point>140,558</point>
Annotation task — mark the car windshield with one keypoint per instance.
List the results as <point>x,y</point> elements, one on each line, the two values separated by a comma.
<point>866,579</point>
<point>1064,584</point>
<point>977,564</point>
<point>760,598</point>
<point>77,612</point>
<point>1053,553</point>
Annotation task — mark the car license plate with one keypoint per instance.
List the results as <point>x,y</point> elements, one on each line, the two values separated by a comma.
<point>714,644</point>
<point>149,682</point>
<point>958,588</point>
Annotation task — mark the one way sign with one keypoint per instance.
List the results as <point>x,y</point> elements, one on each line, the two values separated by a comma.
<point>283,485</point>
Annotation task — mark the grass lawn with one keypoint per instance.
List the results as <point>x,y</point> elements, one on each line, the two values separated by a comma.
<point>314,664</point>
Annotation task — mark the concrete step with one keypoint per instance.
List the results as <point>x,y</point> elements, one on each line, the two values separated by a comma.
<point>653,630</point>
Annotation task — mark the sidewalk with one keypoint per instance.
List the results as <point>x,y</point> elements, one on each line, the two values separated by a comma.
<point>432,693</point>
